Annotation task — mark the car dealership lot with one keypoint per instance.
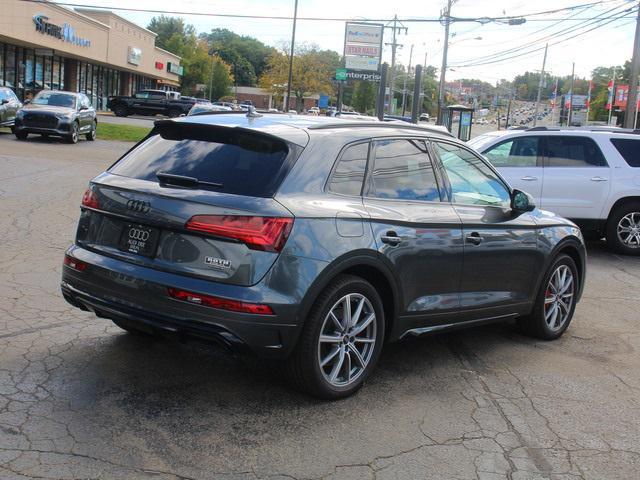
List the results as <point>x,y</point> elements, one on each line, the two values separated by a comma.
<point>81,399</point>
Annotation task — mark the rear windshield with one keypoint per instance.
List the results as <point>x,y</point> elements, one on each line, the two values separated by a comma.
<point>245,163</point>
<point>629,149</point>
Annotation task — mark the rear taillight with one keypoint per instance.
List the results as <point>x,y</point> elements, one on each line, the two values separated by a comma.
<point>258,233</point>
<point>74,263</point>
<point>90,199</point>
<point>221,303</point>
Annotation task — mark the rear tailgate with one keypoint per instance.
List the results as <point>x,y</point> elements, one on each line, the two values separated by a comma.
<point>231,233</point>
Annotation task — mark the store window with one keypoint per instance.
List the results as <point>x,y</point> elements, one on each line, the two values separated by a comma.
<point>10,67</point>
<point>2,64</point>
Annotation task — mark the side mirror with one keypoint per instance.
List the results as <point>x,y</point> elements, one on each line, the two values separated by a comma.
<point>84,107</point>
<point>522,202</point>
<point>27,102</point>
<point>3,101</point>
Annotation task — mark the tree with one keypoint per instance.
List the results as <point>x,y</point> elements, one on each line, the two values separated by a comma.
<point>312,72</point>
<point>173,34</point>
<point>364,96</point>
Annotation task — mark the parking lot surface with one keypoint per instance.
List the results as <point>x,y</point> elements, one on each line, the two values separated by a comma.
<point>79,398</point>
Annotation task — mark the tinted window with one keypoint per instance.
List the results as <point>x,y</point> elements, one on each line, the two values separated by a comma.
<point>4,94</point>
<point>245,164</point>
<point>402,169</point>
<point>349,173</point>
<point>573,152</point>
<point>142,95</point>
<point>157,96</point>
<point>629,149</point>
<point>517,152</point>
<point>84,101</point>
<point>472,181</point>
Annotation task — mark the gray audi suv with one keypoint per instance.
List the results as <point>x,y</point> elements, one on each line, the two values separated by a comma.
<point>316,240</point>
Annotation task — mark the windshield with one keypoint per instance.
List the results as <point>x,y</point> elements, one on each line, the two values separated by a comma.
<point>55,99</point>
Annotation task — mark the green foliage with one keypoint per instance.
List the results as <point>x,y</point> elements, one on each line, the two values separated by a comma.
<point>364,96</point>
<point>173,34</point>
<point>247,55</point>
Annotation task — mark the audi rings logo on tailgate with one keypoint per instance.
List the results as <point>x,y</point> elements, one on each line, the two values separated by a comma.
<point>139,206</point>
<point>138,234</point>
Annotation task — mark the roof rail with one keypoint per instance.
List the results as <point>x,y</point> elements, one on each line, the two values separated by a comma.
<point>585,129</point>
<point>399,125</point>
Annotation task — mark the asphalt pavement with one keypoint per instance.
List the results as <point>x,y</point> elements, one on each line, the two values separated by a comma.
<point>79,398</point>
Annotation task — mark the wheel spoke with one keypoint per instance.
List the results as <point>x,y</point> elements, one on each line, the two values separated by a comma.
<point>337,366</point>
<point>566,285</point>
<point>365,323</point>
<point>348,363</point>
<point>357,356</point>
<point>554,320</point>
<point>363,340</point>
<point>336,321</point>
<point>550,312</point>
<point>330,357</point>
<point>548,300</point>
<point>358,312</point>
<point>330,338</point>
<point>346,312</point>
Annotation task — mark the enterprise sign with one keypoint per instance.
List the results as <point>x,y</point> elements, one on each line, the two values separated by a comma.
<point>66,32</point>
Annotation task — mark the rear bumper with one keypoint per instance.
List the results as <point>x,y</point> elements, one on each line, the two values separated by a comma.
<point>138,296</point>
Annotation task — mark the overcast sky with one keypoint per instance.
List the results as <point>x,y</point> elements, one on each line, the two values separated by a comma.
<point>611,44</point>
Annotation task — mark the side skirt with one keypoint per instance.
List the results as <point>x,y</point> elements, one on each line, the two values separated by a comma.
<point>415,332</point>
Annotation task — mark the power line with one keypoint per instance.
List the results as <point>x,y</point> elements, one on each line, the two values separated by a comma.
<point>537,49</point>
<point>315,19</point>
<point>505,54</point>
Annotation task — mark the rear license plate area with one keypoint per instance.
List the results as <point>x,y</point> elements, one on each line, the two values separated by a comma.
<point>139,239</point>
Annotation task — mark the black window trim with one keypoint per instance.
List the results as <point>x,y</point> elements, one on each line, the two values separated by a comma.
<point>540,158</point>
<point>327,183</point>
<point>487,163</point>
<point>366,193</point>
<point>547,159</point>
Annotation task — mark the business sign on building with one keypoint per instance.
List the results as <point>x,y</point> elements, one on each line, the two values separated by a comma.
<point>622,96</point>
<point>66,32</point>
<point>134,56</point>
<point>174,68</point>
<point>363,46</point>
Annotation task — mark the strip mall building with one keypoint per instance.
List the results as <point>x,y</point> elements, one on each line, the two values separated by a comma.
<point>98,53</point>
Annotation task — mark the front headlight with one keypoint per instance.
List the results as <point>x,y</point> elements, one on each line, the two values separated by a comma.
<point>64,115</point>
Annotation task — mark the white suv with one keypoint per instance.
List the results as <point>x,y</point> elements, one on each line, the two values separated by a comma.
<point>589,175</point>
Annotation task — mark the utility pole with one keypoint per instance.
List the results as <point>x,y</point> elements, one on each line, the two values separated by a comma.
<point>573,70</point>
<point>506,124</point>
<point>293,42</point>
<point>443,70</point>
<point>540,85</point>
<point>632,101</point>
<point>394,45</point>
<point>404,89</point>
<point>612,95</point>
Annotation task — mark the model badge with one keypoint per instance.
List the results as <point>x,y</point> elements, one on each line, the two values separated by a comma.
<point>220,263</point>
<point>139,206</point>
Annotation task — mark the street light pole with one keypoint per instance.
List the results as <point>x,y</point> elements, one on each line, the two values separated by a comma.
<point>540,84</point>
<point>445,50</point>
<point>632,102</point>
<point>404,88</point>
<point>293,42</point>
<point>573,71</point>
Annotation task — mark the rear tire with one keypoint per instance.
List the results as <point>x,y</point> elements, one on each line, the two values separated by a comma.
<point>91,136</point>
<point>120,111</point>
<point>623,229</point>
<point>555,302</point>
<point>333,357</point>
<point>21,135</point>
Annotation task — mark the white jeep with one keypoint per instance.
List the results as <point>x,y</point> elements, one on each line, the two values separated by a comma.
<point>590,175</point>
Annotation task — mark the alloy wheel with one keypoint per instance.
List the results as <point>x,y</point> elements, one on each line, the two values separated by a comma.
<point>347,340</point>
<point>558,298</point>
<point>628,230</point>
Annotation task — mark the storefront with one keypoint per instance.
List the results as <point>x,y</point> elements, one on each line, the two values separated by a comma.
<point>46,46</point>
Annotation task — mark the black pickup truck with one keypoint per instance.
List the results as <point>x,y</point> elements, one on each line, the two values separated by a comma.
<point>151,102</point>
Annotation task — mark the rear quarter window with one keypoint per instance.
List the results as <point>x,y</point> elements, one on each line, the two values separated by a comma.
<point>243,162</point>
<point>629,149</point>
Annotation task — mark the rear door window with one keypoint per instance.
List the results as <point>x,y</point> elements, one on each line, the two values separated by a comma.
<point>517,152</point>
<point>245,163</point>
<point>349,173</point>
<point>629,150</point>
<point>402,170</point>
<point>565,151</point>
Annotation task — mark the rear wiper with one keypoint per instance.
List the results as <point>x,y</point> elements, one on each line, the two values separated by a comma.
<point>184,181</point>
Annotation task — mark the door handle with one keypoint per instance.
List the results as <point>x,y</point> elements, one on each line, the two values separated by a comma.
<point>529,178</point>
<point>598,179</point>
<point>391,238</point>
<point>474,238</point>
